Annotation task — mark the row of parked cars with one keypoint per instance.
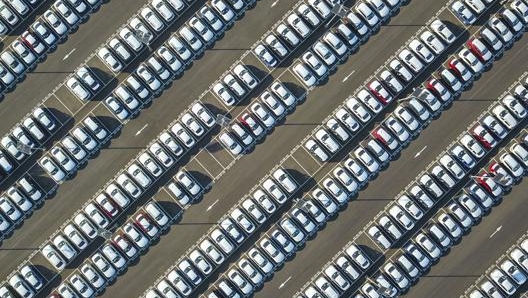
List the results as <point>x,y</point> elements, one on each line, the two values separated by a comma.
<point>287,35</point>
<point>83,141</point>
<point>505,277</point>
<point>404,210</point>
<point>170,59</point>
<point>445,228</point>
<point>334,46</point>
<point>460,214</point>
<point>439,90</point>
<point>123,247</point>
<point>41,37</point>
<point>33,131</point>
<point>126,244</point>
<point>13,12</point>
<point>224,239</point>
<point>318,210</point>
<point>253,124</point>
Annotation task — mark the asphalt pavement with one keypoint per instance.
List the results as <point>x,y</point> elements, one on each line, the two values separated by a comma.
<point>247,171</point>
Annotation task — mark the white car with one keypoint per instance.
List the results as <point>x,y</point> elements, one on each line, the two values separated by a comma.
<point>152,19</point>
<point>230,143</point>
<point>66,13</point>
<point>367,14</point>
<point>427,181</point>
<point>428,246</point>
<point>265,55</point>
<point>9,209</point>
<point>32,277</point>
<point>78,89</point>
<point>286,34</point>
<point>116,108</point>
<point>470,144</point>
<point>401,217</point>
<point>202,29</point>
<point>452,166</point>
<point>273,104</point>
<point>463,13</point>
<point>335,43</point>
<point>337,129</point>
<point>471,61</point>
<point>285,180</point>
<point>308,15</point>
<point>148,77</point>
<point>263,115</point>
<point>183,135</point>
<point>221,91</point>
<point>33,129</point>
<point>501,29</point>
<point>400,70</point>
<point>234,85</point>
<point>211,18</point>
<point>191,39</point>
<point>327,140</point>
<point>23,52</point>
<point>432,42</point>
<point>411,61</point>
<point>188,182</point>
<point>321,7</point>
<point>109,59</point>
<point>244,74</point>
<point>358,109</point>
<point>223,9</point>
<point>75,236</point>
<point>515,106</point>
<point>92,276</point>
<point>397,129</point>
<point>63,159</point>
<point>503,281</point>
<point>273,189</point>
<point>55,259</point>
<point>380,7</point>
<point>513,272</point>
<point>52,169</point>
<point>298,25</point>
<point>335,190</point>
<point>367,160</point>
<point>55,23</point>
<point>276,46</point>
<point>304,74</point>
<point>451,80</point>
<point>421,50</point>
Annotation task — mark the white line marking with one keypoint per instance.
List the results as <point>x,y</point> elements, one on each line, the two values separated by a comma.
<point>274,3</point>
<point>141,130</point>
<point>198,161</point>
<point>348,76</point>
<point>211,206</point>
<point>284,283</point>
<point>55,95</point>
<point>420,152</point>
<point>68,55</point>
<point>495,232</point>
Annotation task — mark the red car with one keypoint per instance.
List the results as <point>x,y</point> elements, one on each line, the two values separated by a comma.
<point>484,137</point>
<point>460,69</point>
<point>489,184</point>
<point>380,92</point>
<point>498,170</point>
<point>478,48</point>
<point>384,137</point>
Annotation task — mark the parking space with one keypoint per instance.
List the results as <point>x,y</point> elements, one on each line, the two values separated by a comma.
<point>66,97</point>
